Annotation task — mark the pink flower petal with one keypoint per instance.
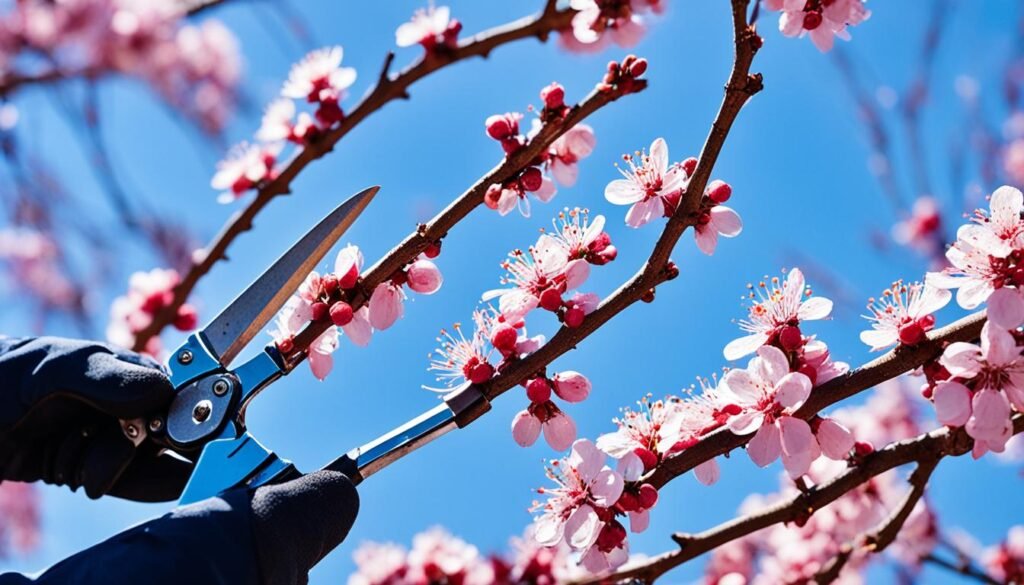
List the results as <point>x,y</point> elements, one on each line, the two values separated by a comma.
<point>793,390</point>
<point>745,422</point>
<point>799,447</point>
<point>726,221</point>
<point>639,521</point>
<point>708,472</point>
<point>622,192</point>
<point>630,467</point>
<point>582,527</point>
<point>576,273</point>
<point>766,446</point>
<point>606,488</point>
<point>559,432</point>
<point>643,212</point>
<point>835,440</point>
<point>706,238</point>
<point>525,428</point>
<point>744,346</point>
<point>1006,308</point>
<point>952,403</point>
<point>359,330</point>
<point>814,308</point>
<point>386,305</point>
<point>571,386</point>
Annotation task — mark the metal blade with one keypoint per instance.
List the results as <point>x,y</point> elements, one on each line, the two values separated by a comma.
<point>240,321</point>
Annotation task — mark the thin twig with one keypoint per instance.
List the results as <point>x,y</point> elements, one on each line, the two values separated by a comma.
<point>963,568</point>
<point>386,90</point>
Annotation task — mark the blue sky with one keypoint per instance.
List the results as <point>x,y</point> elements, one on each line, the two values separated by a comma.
<point>797,161</point>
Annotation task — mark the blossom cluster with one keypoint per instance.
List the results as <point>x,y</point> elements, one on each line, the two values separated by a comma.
<point>539,278</point>
<point>559,160</point>
<point>796,552</point>
<point>822,20</point>
<point>600,22</point>
<point>653,187</point>
<point>433,28</point>
<point>19,517</point>
<point>762,399</point>
<point>1005,561</point>
<point>977,386</point>
<point>33,259</point>
<point>438,557</point>
<point>328,298</point>
<point>148,294</point>
<point>196,68</point>
<point>320,80</point>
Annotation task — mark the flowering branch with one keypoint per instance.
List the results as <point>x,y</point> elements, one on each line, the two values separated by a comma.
<point>658,269</point>
<point>888,366</point>
<point>886,533</point>
<point>925,449</point>
<point>387,89</point>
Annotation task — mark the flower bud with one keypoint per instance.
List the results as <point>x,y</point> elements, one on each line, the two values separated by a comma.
<point>638,67</point>
<point>525,428</point>
<point>790,338</point>
<point>187,318</point>
<point>812,20</point>
<point>648,457</point>
<point>349,279</point>
<point>538,390</point>
<point>286,345</point>
<point>433,250</point>
<point>611,536</point>
<point>648,496</point>
<point>718,191</point>
<point>319,310</point>
<point>628,502</point>
<point>571,386</point>
<point>689,165</point>
<point>531,179</point>
<point>492,196</point>
<point>341,313</point>
<point>500,126</point>
<point>911,333</point>
<point>551,299</point>
<point>424,277</point>
<point>504,337</point>
<point>481,372</point>
<point>574,317</point>
<point>553,96</point>
<point>330,283</point>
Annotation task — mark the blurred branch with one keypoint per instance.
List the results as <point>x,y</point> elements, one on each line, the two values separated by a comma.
<point>926,449</point>
<point>388,88</point>
<point>886,533</point>
<point>964,568</point>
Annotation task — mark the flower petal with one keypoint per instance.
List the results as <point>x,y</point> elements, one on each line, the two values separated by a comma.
<point>582,527</point>
<point>744,346</point>
<point>952,403</point>
<point>814,308</point>
<point>726,221</point>
<point>623,192</point>
<point>792,390</point>
<point>766,446</point>
<point>606,488</point>
<point>708,472</point>
<point>835,439</point>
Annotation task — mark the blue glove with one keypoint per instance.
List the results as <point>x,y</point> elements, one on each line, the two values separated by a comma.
<point>60,405</point>
<point>272,536</point>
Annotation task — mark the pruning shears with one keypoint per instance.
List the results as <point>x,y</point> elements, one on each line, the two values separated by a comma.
<point>205,422</point>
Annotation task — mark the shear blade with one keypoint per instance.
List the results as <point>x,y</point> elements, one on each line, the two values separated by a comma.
<point>228,463</point>
<point>246,316</point>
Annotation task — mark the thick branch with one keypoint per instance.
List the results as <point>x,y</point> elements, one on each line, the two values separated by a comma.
<point>928,447</point>
<point>900,360</point>
<point>388,88</point>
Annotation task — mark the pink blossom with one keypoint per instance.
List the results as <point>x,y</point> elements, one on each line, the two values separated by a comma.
<point>647,186</point>
<point>319,71</point>
<point>431,28</point>
<point>294,316</point>
<point>531,273</point>
<point>379,564</point>
<point>584,485</point>
<point>774,309</point>
<point>922,227</point>
<point>583,239</point>
<point>148,294</point>
<point>823,21</point>
<point>982,258</point>
<point>903,314</point>
<point>995,372</point>
<point>566,152</point>
<point>424,276</point>
<point>559,428</point>
<point>460,359</point>
<point>767,394</point>
<point>597,20</point>
<point>1005,561</point>
<point>438,557</point>
<point>20,519</point>
<point>33,259</point>
<point>1013,161</point>
<point>244,168</point>
<point>718,221</point>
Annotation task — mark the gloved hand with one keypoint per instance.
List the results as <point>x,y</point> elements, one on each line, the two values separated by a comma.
<point>272,536</point>
<point>61,401</point>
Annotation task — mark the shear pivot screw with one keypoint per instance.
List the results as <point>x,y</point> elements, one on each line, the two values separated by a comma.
<point>202,411</point>
<point>155,425</point>
<point>185,357</point>
<point>131,430</point>
<point>220,387</point>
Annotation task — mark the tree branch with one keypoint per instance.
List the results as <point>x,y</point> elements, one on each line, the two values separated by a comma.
<point>927,447</point>
<point>886,533</point>
<point>900,360</point>
<point>386,90</point>
<point>963,568</point>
